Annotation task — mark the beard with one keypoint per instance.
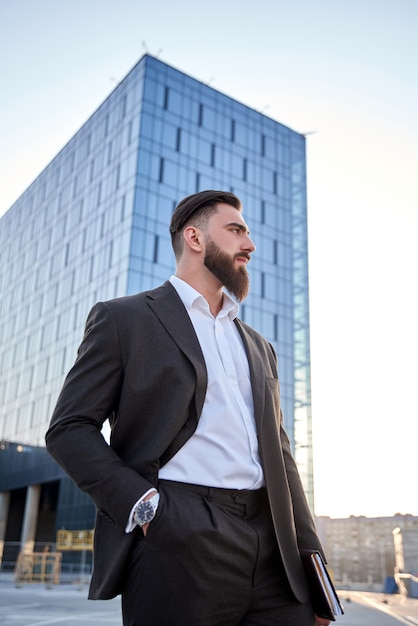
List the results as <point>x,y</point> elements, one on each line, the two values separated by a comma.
<point>236,281</point>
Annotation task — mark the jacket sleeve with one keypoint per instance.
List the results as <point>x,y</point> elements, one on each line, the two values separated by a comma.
<point>90,395</point>
<point>305,526</point>
<point>307,537</point>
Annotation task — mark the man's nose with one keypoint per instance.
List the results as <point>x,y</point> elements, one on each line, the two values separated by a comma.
<point>248,244</point>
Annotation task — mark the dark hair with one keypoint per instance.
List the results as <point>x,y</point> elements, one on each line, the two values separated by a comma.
<point>199,205</point>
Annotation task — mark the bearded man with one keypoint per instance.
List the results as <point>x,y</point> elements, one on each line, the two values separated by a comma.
<point>201,514</point>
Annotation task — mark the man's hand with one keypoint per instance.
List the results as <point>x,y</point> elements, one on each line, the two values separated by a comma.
<point>321,621</point>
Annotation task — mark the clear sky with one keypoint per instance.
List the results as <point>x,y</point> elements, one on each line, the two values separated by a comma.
<point>343,70</point>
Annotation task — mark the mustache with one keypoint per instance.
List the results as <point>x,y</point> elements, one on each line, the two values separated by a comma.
<point>246,255</point>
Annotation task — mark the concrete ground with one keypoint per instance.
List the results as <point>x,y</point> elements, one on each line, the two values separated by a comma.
<point>377,609</point>
<point>67,605</point>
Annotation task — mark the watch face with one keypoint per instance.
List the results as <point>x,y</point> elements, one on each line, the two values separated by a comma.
<point>148,512</point>
<point>144,513</point>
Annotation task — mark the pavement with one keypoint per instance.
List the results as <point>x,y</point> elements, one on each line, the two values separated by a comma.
<point>38,605</point>
<point>67,605</point>
<point>362,608</point>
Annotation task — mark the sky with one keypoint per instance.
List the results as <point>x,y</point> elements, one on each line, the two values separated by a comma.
<point>344,73</point>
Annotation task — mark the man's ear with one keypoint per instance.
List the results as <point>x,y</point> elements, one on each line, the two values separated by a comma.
<point>193,238</point>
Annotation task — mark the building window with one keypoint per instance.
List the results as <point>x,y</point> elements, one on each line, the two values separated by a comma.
<point>84,240</point>
<point>130,132</point>
<point>275,183</point>
<point>124,105</point>
<point>72,282</point>
<point>263,145</point>
<point>117,177</point>
<point>66,254</point>
<point>200,122</point>
<point>102,225</point>
<point>166,95</point>
<point>178,140</point>
<point>212,155</point>
<point>155,255</point>
<point>263,212</point>
<point>161,171</point>
<point>64,359</point>
<point>244,169</point>
<point>232,130</point>
<point>59,202</point>
<point>91,268</point>
<point>99,194</point>
<point>122,208</point>
<point>56,181</point>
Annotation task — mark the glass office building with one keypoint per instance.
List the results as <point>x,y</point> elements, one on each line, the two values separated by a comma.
<point>94,226</point>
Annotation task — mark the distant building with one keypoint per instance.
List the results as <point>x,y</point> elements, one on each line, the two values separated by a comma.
<point>361,549</point>
<point>406,560</point>
<point>94,226</point>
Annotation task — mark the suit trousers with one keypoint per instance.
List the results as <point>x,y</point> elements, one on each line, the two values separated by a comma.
<point>210,558</point>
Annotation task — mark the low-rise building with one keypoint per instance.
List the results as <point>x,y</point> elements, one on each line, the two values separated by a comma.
<point>360,550</point>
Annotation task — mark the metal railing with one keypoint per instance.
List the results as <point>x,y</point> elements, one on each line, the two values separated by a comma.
<point>75,567</point>
<point>38,567</point>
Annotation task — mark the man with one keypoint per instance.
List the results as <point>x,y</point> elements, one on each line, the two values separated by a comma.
<point>200,509</point>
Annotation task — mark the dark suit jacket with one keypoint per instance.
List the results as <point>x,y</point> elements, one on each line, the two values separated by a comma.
<point>141,366</point>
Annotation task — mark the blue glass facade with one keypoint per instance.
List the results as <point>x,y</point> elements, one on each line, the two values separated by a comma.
<point>94,225</point>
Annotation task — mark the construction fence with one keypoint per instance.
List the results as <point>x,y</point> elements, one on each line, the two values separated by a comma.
<point>69,559</point>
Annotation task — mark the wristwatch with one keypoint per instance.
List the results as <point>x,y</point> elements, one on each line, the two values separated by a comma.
<point>145,510</point>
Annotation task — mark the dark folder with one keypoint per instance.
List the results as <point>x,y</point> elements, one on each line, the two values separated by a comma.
<point>324,598</point>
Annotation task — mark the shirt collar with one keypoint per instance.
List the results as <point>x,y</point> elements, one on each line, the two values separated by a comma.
<point>190,296</point>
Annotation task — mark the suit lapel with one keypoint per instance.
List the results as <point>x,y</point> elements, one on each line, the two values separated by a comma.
<point>168,307</point>
<point>170,310</point>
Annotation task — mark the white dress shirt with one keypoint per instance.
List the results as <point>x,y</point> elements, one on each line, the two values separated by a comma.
<point>223,451</point>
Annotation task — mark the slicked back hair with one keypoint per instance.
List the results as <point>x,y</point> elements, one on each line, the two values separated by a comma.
<point>196,209</point>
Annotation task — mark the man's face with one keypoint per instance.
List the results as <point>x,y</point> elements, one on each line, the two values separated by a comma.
<point>228,249</point>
